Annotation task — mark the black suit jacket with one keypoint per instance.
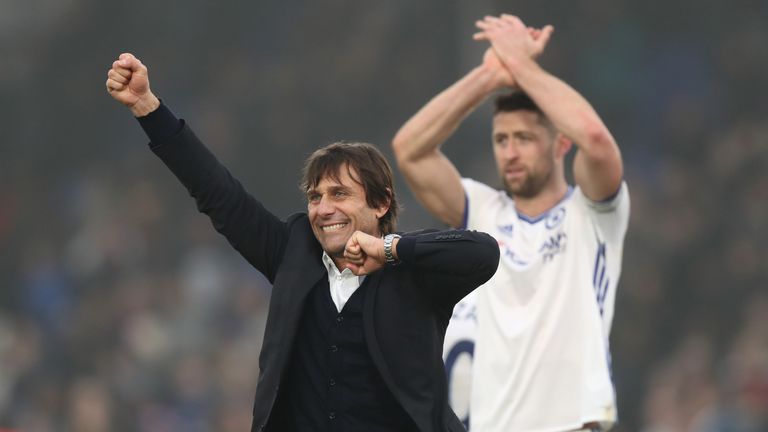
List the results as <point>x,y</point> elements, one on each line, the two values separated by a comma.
<point>406,309</point>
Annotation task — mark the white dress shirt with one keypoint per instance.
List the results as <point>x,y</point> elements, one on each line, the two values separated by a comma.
<point>343,284</point>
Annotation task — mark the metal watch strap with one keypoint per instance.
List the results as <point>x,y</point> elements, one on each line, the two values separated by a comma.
<point>388,239</point>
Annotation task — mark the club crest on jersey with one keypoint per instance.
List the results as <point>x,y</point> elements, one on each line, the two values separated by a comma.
<point>555,218</point>
<point>553,246</point>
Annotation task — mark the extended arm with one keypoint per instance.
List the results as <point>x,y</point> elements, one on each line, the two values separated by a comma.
<point>598,167</point>
<point>257,234</point>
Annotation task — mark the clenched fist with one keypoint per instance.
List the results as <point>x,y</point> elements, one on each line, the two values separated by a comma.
<point>128,83</point>
<point>364,253</point>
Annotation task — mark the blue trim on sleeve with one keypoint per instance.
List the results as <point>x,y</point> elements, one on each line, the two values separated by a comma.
<point>465,216</point>
<point>613,196</point>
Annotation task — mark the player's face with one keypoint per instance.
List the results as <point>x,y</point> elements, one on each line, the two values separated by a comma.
<point>339,208</point>
<point>525,152</point>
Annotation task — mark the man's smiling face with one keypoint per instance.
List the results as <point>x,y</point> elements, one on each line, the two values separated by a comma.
<point>337,208</point>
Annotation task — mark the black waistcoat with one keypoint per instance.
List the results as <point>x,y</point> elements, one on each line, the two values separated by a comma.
<point>332,383</point>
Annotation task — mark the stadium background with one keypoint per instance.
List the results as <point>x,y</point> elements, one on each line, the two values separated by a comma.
<point>121,310</point>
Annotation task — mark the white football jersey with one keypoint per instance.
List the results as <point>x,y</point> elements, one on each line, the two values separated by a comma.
<point>541,357</point>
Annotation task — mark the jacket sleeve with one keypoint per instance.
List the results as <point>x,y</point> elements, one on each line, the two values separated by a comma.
<point>449,264</point>
<point>258,235</point>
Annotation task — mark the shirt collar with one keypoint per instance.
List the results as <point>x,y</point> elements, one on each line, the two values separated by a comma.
<point>330,266</point>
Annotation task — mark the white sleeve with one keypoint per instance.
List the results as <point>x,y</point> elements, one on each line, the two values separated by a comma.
<point>612,215</point>
<point>476,196</point>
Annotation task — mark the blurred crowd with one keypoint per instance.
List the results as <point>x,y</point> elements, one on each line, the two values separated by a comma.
<point>122,310</point>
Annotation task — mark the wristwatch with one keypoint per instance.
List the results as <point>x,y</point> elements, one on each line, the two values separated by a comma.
<point>388,239</point>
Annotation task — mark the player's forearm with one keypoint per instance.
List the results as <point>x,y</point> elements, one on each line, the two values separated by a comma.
<point>568,110</point>
<point>438,119</point>
<point>598,168</point>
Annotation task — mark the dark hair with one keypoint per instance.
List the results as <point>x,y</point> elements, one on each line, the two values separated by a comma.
<point>518,100</point>
<point>373,173</point>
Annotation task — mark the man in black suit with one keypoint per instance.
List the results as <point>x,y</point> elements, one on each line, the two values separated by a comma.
<point>357,317</point>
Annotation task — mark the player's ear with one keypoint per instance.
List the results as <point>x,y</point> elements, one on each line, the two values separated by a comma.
<point>563,145</point>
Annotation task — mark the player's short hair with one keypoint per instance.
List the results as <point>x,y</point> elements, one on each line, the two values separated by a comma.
<point>367,166</point>
<point>517,100</point>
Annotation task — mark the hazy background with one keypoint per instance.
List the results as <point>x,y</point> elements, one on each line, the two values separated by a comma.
<point>122,310</point>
